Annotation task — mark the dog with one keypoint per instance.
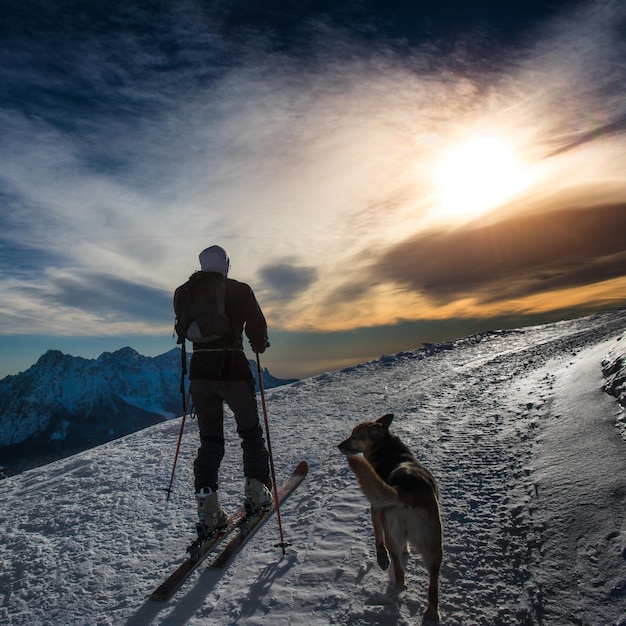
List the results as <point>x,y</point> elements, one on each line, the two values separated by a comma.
<point>404,502</point>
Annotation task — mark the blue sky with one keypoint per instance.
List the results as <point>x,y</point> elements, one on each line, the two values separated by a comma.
<point>381,173</point>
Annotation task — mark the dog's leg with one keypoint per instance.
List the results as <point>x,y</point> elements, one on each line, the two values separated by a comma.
<point>382,556</point>
<point>379,538</point>
<point>395,549</point>
<point>432,561</point>
<point>398,570</point>
<point>432,610</point>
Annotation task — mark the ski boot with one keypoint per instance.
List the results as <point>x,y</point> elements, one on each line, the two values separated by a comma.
<point>211,516</point>
<point>257,495</point>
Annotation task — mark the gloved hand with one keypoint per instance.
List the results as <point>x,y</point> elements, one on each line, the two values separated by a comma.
<point>259,348</point>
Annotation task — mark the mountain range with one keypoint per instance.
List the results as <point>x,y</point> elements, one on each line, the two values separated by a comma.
<point>64,404</point>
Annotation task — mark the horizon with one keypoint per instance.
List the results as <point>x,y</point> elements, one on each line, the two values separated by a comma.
<point>314,369</point>
<point>381,174</point>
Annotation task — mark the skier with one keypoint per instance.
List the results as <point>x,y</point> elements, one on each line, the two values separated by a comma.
<point>220,372</point>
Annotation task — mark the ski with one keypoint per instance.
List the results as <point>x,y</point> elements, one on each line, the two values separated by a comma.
<point>250,524</point>
<point>200,550</point>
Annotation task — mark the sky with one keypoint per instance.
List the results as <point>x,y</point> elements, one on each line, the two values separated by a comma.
<point>381,173</point>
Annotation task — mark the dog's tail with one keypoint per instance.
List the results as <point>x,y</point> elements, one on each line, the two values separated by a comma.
<point>376,490</point>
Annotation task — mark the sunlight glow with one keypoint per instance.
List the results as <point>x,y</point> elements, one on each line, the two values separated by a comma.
<point>477,176</point>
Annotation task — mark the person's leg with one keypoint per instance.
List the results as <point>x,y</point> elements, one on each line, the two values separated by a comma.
<point>241,398</point>
<point>209,408</point>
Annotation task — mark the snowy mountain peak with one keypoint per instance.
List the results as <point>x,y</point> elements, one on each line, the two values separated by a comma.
<point>124,356</point>
<point>54,359</point>
<point>64,404</point>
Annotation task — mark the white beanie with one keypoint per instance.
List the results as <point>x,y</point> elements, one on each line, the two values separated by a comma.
<point>215,259</point>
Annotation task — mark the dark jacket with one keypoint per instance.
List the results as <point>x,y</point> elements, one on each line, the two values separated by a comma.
<point>224,359</point>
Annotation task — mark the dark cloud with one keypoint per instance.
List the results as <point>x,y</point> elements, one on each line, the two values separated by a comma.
<point>292,24</point>
<point>108,297</point>
<point>81,66</point>
<point>130,42</point>
<point>285,280</point>
<point>615,127</point>
<point>524,255</point>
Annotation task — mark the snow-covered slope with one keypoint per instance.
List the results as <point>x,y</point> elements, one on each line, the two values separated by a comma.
<point>515,425</point>
<point>614,369</point>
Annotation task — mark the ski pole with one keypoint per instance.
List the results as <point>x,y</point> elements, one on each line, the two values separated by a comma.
<point>180,438</point>
<point>282,543</point>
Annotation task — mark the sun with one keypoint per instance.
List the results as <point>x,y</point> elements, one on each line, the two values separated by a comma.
<point>477,176</point>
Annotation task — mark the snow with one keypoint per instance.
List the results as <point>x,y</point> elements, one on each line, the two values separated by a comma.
<point>515,425</point>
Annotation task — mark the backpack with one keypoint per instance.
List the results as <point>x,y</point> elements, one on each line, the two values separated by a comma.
<point>199,305</point>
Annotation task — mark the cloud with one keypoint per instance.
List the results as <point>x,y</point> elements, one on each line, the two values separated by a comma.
<point>74,303</point>
<point>285,280</point>
<point>520,256</point>
<point>614,127</point>
<point>107,297</point>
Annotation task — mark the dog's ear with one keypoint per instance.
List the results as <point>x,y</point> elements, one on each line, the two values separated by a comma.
<point>380,426</point>
<point>385,420</point>
<point>376,431</point>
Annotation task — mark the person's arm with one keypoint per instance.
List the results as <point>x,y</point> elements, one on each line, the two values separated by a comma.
<point>255,324</point>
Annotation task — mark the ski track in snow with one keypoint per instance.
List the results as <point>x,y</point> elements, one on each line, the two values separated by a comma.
<point>86,539</point>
